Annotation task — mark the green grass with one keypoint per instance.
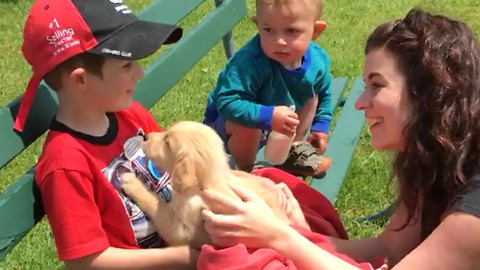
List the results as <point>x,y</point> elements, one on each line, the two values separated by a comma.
<point>349,23</point>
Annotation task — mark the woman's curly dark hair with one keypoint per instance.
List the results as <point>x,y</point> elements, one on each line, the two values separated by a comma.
<point>440,59</point>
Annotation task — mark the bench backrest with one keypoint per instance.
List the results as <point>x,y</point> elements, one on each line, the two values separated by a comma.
<point>19,211</point>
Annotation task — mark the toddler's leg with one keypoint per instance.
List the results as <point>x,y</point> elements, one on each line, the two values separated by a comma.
<point>305,116</point>
<point>243,144</point>
<point>310,162</point>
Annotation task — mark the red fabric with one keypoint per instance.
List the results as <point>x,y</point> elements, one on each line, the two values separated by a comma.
<point>320,214</point>
<point>85,210</point>
<point>241,258</point>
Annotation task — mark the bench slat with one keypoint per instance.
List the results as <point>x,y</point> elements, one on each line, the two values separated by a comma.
<point>168,11</point>
<point>19,213</point>
<point>173,64</point>
<point>339,85</point>
<point>39,118</point>
<point>342,144</point>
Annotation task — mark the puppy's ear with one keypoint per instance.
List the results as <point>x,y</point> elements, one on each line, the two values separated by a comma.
<point>184,170</point>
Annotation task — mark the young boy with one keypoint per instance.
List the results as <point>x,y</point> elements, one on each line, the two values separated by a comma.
<point>86,50</point>
<point>280,66</point>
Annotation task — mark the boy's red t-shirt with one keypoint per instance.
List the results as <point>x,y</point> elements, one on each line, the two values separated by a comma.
<point>78,179</point>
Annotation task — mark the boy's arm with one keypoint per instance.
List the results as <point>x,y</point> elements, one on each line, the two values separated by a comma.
<point>181,257</point>
<point>236,93</point>
<point>323,87</point>
<point>74,217</point>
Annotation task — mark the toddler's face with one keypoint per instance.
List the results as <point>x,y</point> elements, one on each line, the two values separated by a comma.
<point>285,31</point>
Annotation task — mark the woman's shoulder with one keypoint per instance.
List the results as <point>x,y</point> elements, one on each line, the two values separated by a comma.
<point>467,199</point>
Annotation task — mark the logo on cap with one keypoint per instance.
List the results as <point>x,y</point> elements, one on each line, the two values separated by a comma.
<point>120,7</point>
<point>117,52</point>
<point>61,38</point>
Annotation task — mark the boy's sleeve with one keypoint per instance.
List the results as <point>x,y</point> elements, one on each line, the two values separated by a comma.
<point>323,87</point>
<point>74,218</point>
<point>237,89</point>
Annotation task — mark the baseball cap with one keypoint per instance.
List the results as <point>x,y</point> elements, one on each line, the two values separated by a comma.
<point>56,30</point>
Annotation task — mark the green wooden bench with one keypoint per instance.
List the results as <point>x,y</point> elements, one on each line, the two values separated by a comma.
<point>19,209</point>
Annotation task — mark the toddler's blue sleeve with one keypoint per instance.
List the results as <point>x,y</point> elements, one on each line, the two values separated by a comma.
<point>323,87</point>
<point>236,92</point>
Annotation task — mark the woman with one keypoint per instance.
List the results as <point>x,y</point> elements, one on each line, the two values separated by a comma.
<point>422,99</point>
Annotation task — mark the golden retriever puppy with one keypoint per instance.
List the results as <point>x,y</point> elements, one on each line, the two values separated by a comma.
<point>194,156</point>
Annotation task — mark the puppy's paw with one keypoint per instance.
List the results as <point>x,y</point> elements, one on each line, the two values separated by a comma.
<point>131,185</point>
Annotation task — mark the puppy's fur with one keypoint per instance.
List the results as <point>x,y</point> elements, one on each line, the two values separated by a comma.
<point>193,154</point>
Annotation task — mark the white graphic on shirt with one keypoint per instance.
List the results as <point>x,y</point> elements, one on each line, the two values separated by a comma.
<point>133,160</point>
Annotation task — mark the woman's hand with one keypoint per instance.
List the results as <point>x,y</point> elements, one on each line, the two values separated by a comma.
<point>250,221</point>
<point>294,211</point>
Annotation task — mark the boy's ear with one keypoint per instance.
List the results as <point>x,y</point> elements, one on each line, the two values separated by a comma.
<point>77,79</point>
<point>318,28</point>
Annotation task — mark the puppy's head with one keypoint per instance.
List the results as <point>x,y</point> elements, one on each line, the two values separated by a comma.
<point>188,151</point>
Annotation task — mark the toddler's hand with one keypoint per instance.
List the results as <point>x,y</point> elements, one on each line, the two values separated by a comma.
<point>318,140</point>
<point>284,121</point>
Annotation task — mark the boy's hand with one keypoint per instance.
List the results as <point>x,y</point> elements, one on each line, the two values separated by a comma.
<point>284,121</point>
<point>318,140</point>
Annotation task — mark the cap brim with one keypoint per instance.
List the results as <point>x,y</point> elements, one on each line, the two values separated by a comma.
<point>138,40</point>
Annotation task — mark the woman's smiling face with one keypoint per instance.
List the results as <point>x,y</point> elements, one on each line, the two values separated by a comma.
<point>385,100</point>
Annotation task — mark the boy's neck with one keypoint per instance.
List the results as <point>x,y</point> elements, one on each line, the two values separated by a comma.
<point>82,118</point>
